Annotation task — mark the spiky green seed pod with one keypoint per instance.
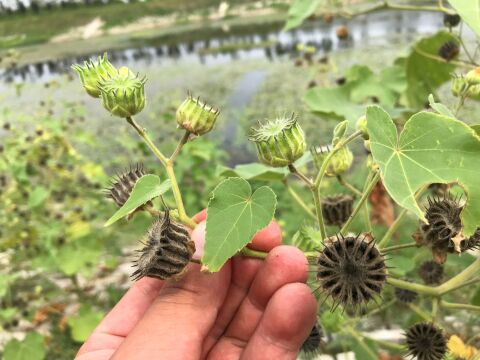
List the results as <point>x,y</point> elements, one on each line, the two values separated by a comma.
<point>279,142</point>
<point>196,116</point>
<point>93,72</point>
<point>340,162</point>
<point>473,76</point>
<point>123,95</point>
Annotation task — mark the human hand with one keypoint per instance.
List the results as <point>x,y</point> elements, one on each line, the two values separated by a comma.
<point>251,309</point>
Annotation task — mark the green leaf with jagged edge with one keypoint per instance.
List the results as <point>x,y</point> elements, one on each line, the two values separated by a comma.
<point>432,148</point>
<point>235,215</point>
<point>307,238</point>
<point>424,74</point>
<point>299,11</point>
<point>439,107</point>
<point>146,188</point>
<point>30,348</point>
<point>469,10</point>
<point>82,325</point>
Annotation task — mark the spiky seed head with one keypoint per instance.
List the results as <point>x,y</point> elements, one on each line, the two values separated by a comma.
<point>337,209</point>
<point>279,142</point>
<point>472,243</point>
<point>431,272</point>
<point>311,346</point>
<point>426,342</point>
<point>93,72</point>
<point>449,50</point>
<point>196,116</point>
<point>451,20</point>
<point>444,224</point>
<point>405,296</point>
<point>122,187</point>
<point>123,94</point>
<point>167,251</point>
<point>340,162</point>
<point>351,270</point>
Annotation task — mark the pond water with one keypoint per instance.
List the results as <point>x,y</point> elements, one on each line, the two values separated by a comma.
<point>249,73</point>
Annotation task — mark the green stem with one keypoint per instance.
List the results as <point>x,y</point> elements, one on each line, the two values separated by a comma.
<point>359,337</point>
<point>168,165</point>
<point>298,174</point>
<point>440,59</point>
<point>387,345</point>
<point>182,142</point>
<point>460,278</point>
<point>253,253</point>
<point>419,288</point>
<point>362,200</point>
<point>399,247</point>
<point>419,312</point>
<point>299,200</point>
<point>466,283</point>
<point>435,306</point>
<point>318,210</point>
<point>457,306</point>
<point>349,186</point>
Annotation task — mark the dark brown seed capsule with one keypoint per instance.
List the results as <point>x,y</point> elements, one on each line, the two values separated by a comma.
<point>337,209</point>
<point>431,272</point>
<point>444,223</point>
<point>472,243</point>
<point>167,251</point>
<point>351,270</point>
<point>311,346</point>
<point>122,187</point>
<point>426,342</point>
<point>449,50</point>
<point>405,296</point>
<point>451,20</point>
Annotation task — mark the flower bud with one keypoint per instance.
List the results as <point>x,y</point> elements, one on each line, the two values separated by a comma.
<point>362,127</point>
<point>195,116</point>
<point>341,161</point>
<point>279,142</point>
<point>123,95</point>
<point>93,72</point>
<point>473,76</point>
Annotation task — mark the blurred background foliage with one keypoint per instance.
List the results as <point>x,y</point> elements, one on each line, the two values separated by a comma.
<point>60,269</point>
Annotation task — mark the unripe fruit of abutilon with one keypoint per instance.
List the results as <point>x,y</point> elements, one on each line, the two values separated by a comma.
<point>123,185</point>
<point>405,296</point>
<point>337,209</point>
<point>351,270</point>
<point>93,72</point>
<point>279,142</point>
<point>311,346</point>
<point>431,272</point>
<point>426,342</point>
<point>195,116</point>
<point>361,126</point>
<point>443,233</point>
<point>449,50</point>
<point>123,94</point>
<point>167,251</point>
<point>340,162</point>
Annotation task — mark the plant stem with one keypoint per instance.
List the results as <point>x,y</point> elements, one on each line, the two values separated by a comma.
<point>360,339</point>
<point>459,279</point>
<point>440,59</point>
<point>419,312</point>
<point>435,306</point>
<point>364,197</point>
<point>299,200</point>
<point>457,306</point>
<point>466,283</point>
<point>419,288</point>
<point>301,176</point>
<point>182,142</point>
<point>387,345</point>
<point>168,165</point>
<point>349,186</point>
<point>318,210</point>
<point>399,247</point>
<point>253,253</point>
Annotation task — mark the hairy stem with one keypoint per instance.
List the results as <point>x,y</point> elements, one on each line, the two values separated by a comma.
<point>253,253</point>
<point>460,278</point>
<point>399,247</point>
<point>298,174</point>
<point>299,201</point>
<point>457,306</point>
<point>419,288</point>
<point>318,210</point>
<point>182,142</point>
<point>362,200</point>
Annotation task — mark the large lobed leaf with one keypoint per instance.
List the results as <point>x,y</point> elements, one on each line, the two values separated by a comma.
<point>146,188</point>
<point>31,348</point>
<point>235,215</point>
<point>469,10</point>
<point>432,148</point>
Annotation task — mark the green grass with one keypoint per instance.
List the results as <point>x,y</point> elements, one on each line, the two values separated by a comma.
<point>40,27</point>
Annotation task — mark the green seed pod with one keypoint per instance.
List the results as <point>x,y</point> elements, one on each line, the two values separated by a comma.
<point>123,95</point>
<point>339,163</point>
<point>93,72</point>
<point>473,76</point>
<point>362,127</point>
<point>279,142</point>
<point>195,116</point>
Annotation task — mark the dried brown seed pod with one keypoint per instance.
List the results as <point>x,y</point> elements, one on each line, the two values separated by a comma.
<point>351,270</point>
<point>124,183</point>
<point>444,224</point>
<point>167,251</point>
<point>426,342</point>
<point>337,209</point>
<point>311,346</point>
<point>472,243</point>
<point>431,272</point>
<point>449,50</point>
<point>405,296</point>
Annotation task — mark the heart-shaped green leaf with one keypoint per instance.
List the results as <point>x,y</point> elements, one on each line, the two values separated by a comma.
<point>235,215</point>
<point>432,148</point>
<point>146,188</point>
<point>31,348</point>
